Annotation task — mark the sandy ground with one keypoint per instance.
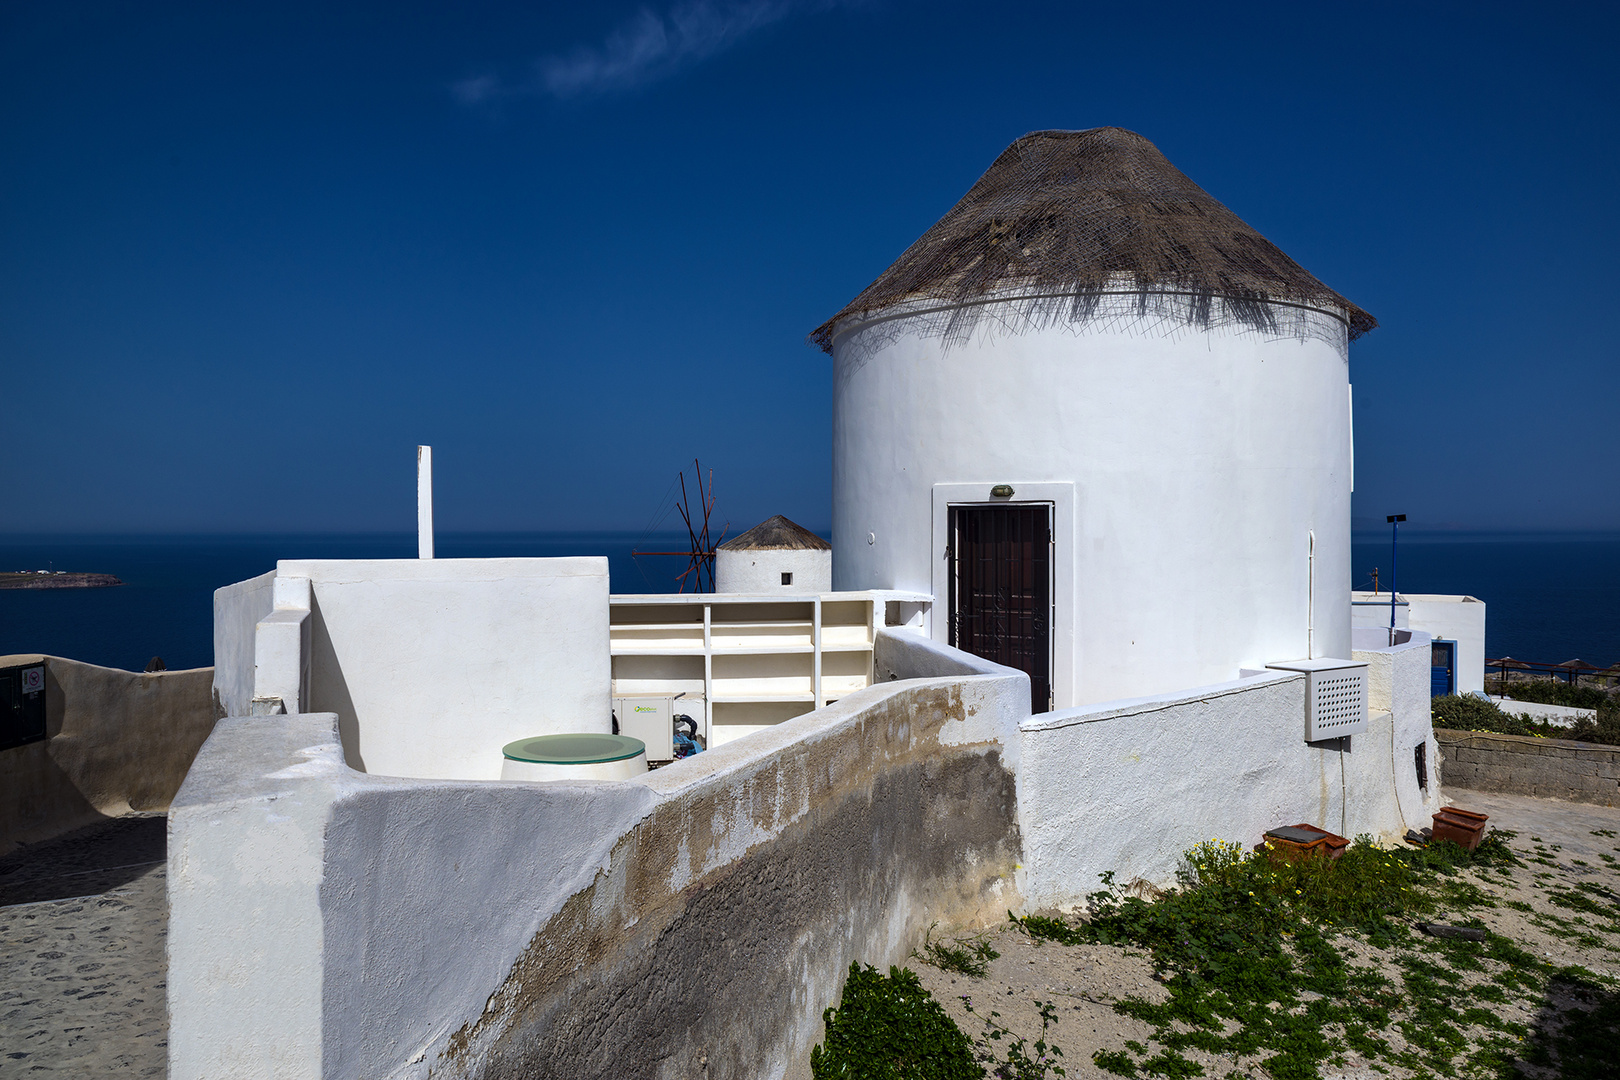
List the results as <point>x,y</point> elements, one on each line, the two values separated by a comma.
<point>1084,981</point>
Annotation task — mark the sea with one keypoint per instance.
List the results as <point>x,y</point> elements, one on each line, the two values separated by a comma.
<point>1549,598</point>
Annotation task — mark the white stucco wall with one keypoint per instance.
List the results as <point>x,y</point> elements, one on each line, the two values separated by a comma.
<point>1456,618</point>
<point>328,923</point>
<point>1398,683</point>
<point>1199,465</point>
<point>237,611</point>
<point>761,570</point>
<point>1129,786</point>
<point>432,665</point>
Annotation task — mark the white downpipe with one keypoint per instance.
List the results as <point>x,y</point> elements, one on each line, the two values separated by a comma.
<point>1352,392</point>
<point>1310,599</point>
<point>424,502</point>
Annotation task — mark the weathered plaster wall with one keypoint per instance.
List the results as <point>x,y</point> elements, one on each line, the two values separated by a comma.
<point>1128,786</point>
<point>1519,765</point>
<point>693,922</point>
<point>115,741</point>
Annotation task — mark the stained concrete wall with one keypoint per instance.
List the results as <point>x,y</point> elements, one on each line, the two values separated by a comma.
<point>692,922</point>
<point>1520,765</point>
<point>1128,786</point>
<point>116,741</point>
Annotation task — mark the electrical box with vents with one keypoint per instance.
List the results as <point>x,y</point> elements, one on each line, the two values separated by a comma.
<point>1335,696</point>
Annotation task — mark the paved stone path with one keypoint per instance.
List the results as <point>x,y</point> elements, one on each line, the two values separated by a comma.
<point>83,920</point>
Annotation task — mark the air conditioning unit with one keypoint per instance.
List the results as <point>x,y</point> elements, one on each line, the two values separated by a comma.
<point>650,718</point>
<point>1335,696</point>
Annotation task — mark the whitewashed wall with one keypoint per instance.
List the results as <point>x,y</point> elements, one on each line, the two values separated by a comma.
<point>760,570</point>
<point>1198,463</point>
<point>433,665</point>
<point>326,923</point>
<point>1128,786</point>
<point>1398,683</point>
<point>237,611</point>
<point>1457,618</point>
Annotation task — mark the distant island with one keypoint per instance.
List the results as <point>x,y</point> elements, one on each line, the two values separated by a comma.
<point>58,579</point>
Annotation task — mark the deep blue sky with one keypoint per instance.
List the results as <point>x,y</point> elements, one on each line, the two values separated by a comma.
<point>250,255</point>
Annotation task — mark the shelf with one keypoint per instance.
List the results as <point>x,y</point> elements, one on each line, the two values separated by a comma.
<point>620,648</point>
<point>763,650</point>
<point>656,626</point>
<point>794,624</point>
<point>847,648</point>
<point>759,699</point>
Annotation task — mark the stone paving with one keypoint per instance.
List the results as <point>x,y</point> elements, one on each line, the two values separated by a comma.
<point>83,921</point>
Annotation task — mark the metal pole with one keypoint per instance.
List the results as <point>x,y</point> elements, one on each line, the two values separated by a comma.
<point>1394,538</point>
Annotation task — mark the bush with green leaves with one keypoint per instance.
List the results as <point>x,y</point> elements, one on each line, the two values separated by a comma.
<point>1603,728</point>
<point>887,1027</point>
<point>1553,692</point>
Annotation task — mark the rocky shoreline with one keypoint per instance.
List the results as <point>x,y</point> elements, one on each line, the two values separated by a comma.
<point>61,579</point>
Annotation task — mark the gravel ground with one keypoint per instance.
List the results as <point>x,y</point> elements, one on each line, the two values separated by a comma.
<point>83,921</point>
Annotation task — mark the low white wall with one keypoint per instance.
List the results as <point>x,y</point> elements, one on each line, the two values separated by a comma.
<point>1398,684</point>
<point>1128,786</point>
<point>1455,618</point>
<point>693,922</point>
<point>760,570</point>
<point>237,611</point>
<point>432,665</point>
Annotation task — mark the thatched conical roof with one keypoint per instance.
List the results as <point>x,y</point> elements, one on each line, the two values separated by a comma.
<point>1080,213</point>
<point>777,533</point>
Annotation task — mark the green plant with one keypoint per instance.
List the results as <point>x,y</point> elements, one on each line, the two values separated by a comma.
<point>966,955</point>
<point>1553,692</point>
<point>1604,727</point>
<point>1043,928</point>
<point>890,1028</point>
<point>1017,1063</point>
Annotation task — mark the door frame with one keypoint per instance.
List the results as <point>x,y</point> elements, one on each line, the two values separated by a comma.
<point>1060,496</point>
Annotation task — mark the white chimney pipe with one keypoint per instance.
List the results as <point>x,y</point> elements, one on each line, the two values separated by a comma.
<point>424,502</point>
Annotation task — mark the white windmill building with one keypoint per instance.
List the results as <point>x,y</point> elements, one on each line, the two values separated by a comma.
<point>1105,423</point>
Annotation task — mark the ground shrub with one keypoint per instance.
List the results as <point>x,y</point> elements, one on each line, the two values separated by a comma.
<point>1603,728</point>
<point>1555,692</point>
<point>887,1027</point>
<point>965,955</point>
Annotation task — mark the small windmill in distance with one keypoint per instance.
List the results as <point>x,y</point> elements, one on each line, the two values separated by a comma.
<point>699,572</point>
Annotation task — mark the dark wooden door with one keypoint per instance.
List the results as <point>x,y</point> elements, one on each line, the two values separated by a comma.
<point>1001,589</point>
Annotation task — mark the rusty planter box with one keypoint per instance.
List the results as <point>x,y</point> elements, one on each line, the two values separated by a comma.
<point>1461,826</point>
<point>1292,843</point>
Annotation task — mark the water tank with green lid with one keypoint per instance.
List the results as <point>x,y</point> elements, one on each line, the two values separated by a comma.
<point>581,756</point>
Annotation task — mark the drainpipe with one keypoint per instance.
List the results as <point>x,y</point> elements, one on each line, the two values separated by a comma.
<point>1310,601</point>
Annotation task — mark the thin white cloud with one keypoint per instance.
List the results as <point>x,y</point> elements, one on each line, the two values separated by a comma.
<point>648,47</point>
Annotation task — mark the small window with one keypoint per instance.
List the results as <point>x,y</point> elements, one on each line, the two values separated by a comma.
<point>1420,758</point>
<point>787,578</point>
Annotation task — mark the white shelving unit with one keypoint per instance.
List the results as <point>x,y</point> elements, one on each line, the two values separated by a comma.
<point>743,662</point>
